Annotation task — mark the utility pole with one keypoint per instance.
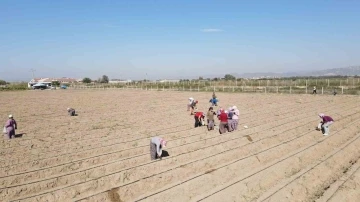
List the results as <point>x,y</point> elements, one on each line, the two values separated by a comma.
<point>33,70</point>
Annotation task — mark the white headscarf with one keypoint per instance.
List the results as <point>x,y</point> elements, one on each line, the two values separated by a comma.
<point>321,115</point>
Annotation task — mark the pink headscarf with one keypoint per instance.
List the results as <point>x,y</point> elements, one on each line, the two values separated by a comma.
<point>163,142</point>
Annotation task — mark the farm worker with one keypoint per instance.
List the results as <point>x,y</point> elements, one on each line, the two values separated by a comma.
<point>230,120</point>
<point>334,93</point>
<point>10,127</point>
<point>71,111</point>
<point>325,123</point>
<point>219,112</point>
<point>199,118</point>
<point>213,101</point>
<point>213,95</point>
<point>193,106</point>
<point>235,118</point>
<point>190,102</point>
<point>156,146</point>
<point>314,90</point>
<point>210,118</point>
<point>223,117</point>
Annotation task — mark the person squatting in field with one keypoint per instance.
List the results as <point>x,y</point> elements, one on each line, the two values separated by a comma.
<point>223,117</point>
<point>156,146</point>
<point>210,118</point>
<point>71,111</point>
<point>199,119</point>
<point>325,124</point>
<point>10,127</point>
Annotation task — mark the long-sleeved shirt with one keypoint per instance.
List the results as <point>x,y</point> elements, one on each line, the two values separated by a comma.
<point>213,100</point>
<point>11,123</point>
<point>223,117</point>
<point>230,114</point>
<point>193,104</point>
<point>199,115</point>
<point>157,142</point>
<point>236,114</point>
<point>327,119</point>
<point>210,115</point>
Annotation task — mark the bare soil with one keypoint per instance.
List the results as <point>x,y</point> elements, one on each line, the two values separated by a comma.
<point>103,153</point>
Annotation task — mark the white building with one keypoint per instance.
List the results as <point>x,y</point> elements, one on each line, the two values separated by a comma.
<point>169,81</point>
<point>120,81</point>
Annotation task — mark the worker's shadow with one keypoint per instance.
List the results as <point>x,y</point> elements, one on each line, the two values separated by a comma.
<point>19,135</point>
<point>165,154</point>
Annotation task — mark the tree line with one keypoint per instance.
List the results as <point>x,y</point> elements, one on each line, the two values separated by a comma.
<point>103,79</point>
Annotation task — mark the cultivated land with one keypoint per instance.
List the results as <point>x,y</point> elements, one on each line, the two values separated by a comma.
<point>103,154</point>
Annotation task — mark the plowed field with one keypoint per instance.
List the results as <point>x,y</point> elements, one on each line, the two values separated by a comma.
<point>103,153</point>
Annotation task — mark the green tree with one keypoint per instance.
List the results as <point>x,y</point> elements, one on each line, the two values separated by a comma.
<point>55,83</point>
<point>104,79</point>
<point>86,80</point>
<point>229,77</point>
<point>2,82</point>
<point>201,78</point>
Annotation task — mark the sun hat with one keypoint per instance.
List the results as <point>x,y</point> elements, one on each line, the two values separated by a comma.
<point>321,115</point>
<point>10,116</point>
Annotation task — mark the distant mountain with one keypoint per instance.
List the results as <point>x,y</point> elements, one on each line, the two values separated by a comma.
<point>347,71</point>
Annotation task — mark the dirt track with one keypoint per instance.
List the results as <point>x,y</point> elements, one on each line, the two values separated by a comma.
<point>103,154</point>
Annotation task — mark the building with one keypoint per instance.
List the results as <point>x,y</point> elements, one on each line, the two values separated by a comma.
<point>119,81</point>
<point>169,81</point>
<point>48,81</point>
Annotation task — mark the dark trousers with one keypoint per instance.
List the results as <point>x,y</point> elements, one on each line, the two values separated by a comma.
<point>72,112</point>
<point>197,122</point>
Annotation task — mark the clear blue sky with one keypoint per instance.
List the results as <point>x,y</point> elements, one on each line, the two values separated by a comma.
<point>175,39</point>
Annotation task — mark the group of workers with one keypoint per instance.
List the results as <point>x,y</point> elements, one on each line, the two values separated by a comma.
<point>228,122</point>
<point>229,119</point>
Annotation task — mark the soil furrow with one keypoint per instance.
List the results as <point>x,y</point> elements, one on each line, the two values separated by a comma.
<point>140,171</point>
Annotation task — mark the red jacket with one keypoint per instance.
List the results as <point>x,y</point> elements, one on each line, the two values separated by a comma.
<point>199,115</point>
<point>223,117</point>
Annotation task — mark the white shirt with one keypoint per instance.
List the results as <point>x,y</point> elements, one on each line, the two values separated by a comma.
<point>157,141</point>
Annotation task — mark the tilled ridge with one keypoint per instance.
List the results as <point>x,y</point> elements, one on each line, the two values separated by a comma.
<point>227,173</point>
<point>252,187</point>
<point>133,170</point>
